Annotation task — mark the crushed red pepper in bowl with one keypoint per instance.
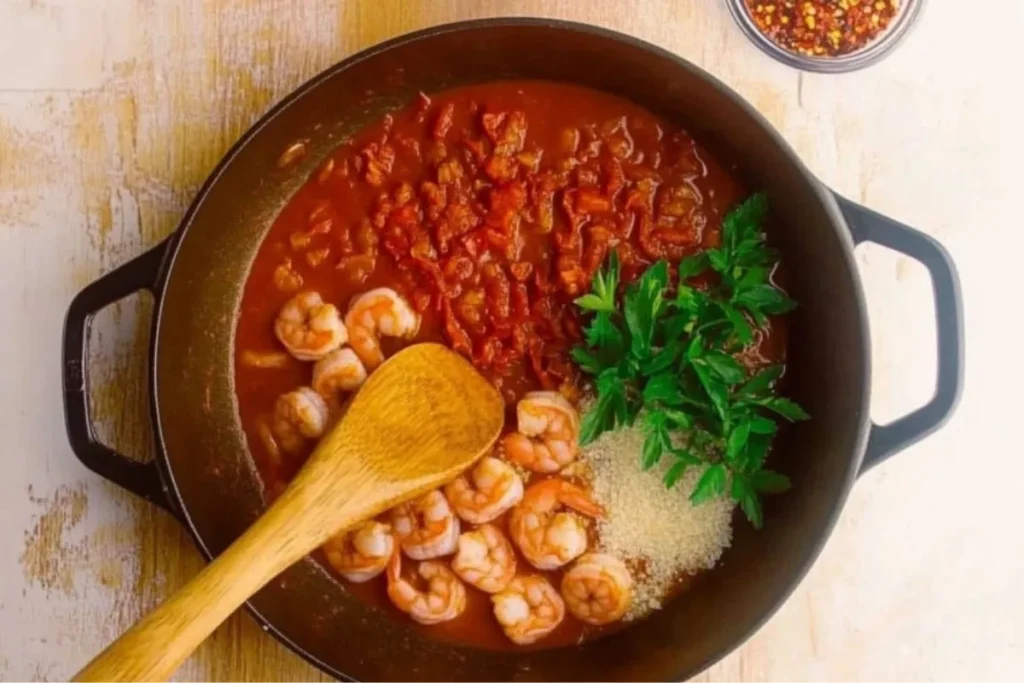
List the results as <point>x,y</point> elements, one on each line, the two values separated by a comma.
<point>823,27</point>
<point>826,35</point>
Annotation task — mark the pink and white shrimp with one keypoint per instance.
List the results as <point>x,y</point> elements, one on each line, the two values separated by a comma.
<point>528,609</point>
<point>299,416</point>
<point>443,599</point>
<point>362,553</point>
<point>598,589</point>
<point>490,488</point>
<point>485,559</point>
<point>308,327</point>
<point>548,432</point>
<point>338,372</point>
<point>379,312</point>
<point>547,535</point>
<point>426,527</point>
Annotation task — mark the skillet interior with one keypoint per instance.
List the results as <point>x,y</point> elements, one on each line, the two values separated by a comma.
<point>198,428</point>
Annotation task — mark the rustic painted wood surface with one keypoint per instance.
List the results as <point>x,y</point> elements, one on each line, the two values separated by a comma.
<point>113,111</point>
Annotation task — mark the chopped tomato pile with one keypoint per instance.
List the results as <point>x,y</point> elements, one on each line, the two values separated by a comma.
<point>490,208</point>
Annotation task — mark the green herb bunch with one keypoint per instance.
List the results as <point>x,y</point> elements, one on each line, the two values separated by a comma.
<point>671,361</point>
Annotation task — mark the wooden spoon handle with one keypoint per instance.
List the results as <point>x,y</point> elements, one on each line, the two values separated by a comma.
<point>423,417</point>
<point>157,644</point>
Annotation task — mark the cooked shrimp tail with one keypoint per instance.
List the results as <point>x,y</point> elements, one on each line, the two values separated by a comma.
<point>426,527</point>
<point>379,312</point>
<point>489,489</point>
<point>337,372</point>
<point>299,417</point>
<point>528,609</point>
<point>548,433</point>
<point>444,597</point>
<point>485,559</point>
<point>361,553</point>
<point>547,536</point>
<point>309,328</point>
<point>598,589</point>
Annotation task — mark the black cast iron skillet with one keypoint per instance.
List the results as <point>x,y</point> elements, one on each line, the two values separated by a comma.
<point>203,475</point>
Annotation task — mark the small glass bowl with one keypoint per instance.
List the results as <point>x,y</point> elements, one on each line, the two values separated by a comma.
<point>866,56</point>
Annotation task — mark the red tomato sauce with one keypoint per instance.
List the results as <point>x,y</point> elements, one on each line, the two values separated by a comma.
<point>488,208</point>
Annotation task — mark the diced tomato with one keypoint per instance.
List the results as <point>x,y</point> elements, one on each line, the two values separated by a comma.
<point>501,168</point>
<point>571,274</point>
<point>477,149</point>
<point>443,123</point>
<point>513,137</point>
<point>458,220</point>
<point>457,337</point>
<point>450,171</point>
<point>379,160</point>
<point>435,197</point>
<point>498,290</point>
<point>521,270</point>
<point>591,201</point>
<point>491,123</point>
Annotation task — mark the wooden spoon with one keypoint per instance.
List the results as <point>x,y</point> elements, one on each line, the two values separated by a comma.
<point>423,417</point>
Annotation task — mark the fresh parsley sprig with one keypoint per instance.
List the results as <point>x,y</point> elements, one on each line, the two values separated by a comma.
<point>670,360</point>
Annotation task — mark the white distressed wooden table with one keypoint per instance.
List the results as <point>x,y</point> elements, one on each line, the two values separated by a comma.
<point>112,112</point>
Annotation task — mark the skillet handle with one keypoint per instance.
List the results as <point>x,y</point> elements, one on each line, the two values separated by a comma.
<point>142,479</point>
<point>869,226</point>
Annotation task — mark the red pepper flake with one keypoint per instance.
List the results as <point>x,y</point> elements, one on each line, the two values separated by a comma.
<point>822,28</point>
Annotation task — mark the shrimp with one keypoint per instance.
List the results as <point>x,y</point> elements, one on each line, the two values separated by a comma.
<point>598,589</point>
<point>547,537</point>
<point>528,609</point>
<point>426,527</point>
<point>444,599</point>
<point>309,328</point>
<point>362,553</point>
<point>379,312</point>
<point>485,559</point>
<point>548,429</point>
<point>491,488</point>
<point>298,415</point>
<point>340,370</point>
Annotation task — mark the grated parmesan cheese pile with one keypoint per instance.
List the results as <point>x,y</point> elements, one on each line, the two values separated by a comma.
<point>657,531</point>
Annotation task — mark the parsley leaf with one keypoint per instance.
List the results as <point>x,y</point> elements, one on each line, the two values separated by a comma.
<point>740,327</point>
<point>695,264</point>
<point>760,383</point>
<point>786,408</point>
<point>755,452</point>
<point>662,388</point>
<point>675,473</point>
<point>737,442</point>
<point>604,334</point>
<point>762,299</point>
<point>710,484</point>
<point>587,361</point>
<point>642,305</point>
<point>602,294</point>
<point>743,492</point>
<point>743,224</point>
<point>767,481</point>
<point>725,366</point>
